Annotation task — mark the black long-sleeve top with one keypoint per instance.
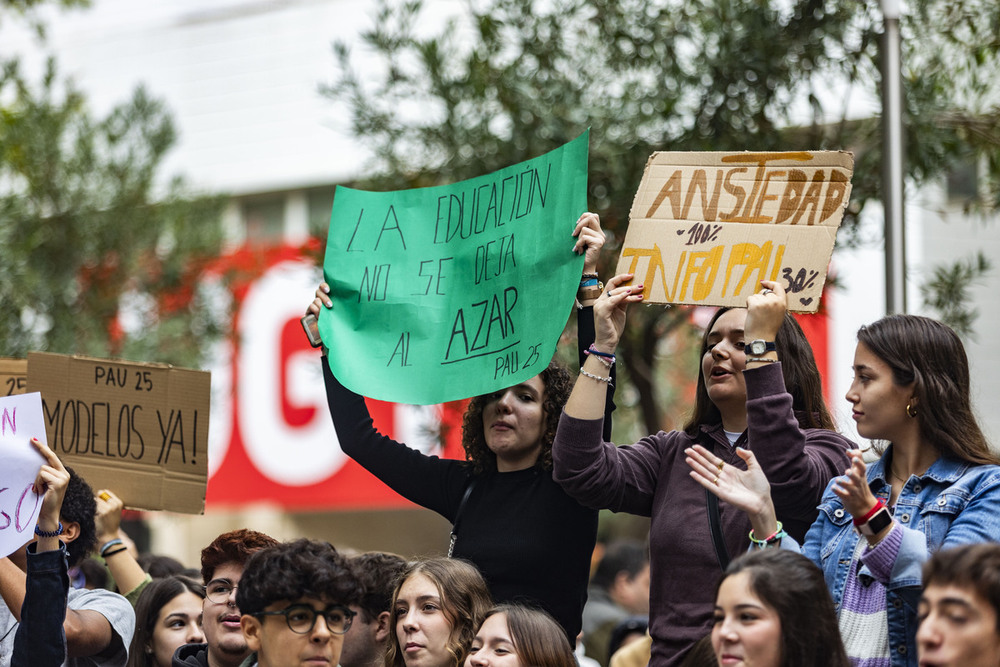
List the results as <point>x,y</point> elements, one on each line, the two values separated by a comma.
<point>529,539</point>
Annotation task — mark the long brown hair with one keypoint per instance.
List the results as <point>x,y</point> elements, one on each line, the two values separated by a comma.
<point>794,587</point>
<point>798,367</point>
<point>558,384</point>
<point>465,600</point>
<point>928,355</point>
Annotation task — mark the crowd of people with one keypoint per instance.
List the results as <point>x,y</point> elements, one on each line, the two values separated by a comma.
<point>774,540</point>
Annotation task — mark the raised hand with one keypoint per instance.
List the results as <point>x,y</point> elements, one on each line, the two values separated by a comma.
<point>590,239</point>
<point>852,488</point>
<point>609,311</point>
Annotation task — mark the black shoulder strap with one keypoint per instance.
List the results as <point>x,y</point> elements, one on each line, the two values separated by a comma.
<point>715,524</point>
<point>458,515</point>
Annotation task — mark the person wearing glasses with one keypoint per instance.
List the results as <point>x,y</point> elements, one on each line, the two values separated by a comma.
<point>295,599</point>
<point>222,564</point>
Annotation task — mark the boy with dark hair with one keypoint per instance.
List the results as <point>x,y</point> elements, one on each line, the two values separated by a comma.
<point>959,609</point>
<point>222,564</point>
<point>365,642</point>
<point>96,625</point>
<point>295,600</point>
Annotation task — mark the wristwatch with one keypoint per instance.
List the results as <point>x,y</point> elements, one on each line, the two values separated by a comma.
<point>759,347</point>
<point>875,525</point>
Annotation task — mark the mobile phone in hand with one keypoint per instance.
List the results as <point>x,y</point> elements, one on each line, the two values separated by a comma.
<point>311,326</point>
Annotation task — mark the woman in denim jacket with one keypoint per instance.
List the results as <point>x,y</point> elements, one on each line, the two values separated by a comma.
<point>936,485</point>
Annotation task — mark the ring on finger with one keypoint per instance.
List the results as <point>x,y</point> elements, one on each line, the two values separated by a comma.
<point>767,291</point>
<point>719,465</point>
<point>716,480</point>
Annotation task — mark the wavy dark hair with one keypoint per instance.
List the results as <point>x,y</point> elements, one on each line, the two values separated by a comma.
<point>154,597</point>
<point>794,587</point>
<point>465,599</point>
<point>236,546</point>
<point>79,507</point>
<point>557,383</point>
<point>975,567</point>
<point>538,639</point>
<point>798,367</point>
<point>928,355</point>
<point>297,569</point>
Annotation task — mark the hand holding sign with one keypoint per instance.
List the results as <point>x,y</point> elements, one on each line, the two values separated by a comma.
<point>453,291</point>
<point>20,421</point>
<point>52,481</point>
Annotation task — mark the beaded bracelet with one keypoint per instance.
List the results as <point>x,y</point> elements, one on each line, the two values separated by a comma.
<point>49,533</point>
<point>763,360</point>
<point>110,543</point>
<point>590,275</point>
<point>606,380</point>
<point>774,538</point>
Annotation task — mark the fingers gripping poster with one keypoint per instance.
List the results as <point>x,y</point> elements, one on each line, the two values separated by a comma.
<point>453,291</point>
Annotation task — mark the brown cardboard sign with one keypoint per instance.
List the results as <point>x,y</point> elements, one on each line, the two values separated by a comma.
<point>13,376</point>
<point>138,429</point>
<point>706,228</point>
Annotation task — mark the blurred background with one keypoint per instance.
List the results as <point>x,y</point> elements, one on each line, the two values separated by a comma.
<point>167,171</point>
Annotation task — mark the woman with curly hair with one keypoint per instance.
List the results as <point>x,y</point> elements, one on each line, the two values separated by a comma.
<point>531,541</point>
<point>436,608</point>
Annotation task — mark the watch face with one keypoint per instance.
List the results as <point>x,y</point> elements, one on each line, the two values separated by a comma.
<point>757,347</point>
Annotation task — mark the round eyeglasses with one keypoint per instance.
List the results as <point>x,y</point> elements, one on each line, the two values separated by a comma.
<point>301,618</point>
<point>219,590</point>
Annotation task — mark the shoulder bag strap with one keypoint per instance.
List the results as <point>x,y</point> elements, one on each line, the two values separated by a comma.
<point>715,524</point>
<point>458,515</point>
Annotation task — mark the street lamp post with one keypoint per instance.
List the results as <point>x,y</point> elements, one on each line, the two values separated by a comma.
<point>892,160</point>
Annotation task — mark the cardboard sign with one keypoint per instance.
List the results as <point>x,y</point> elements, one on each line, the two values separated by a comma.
<point>13,376</point>
<point>706,228</point>
<point>20,421</point>
<point>138,429</point>
<point>453,291</point>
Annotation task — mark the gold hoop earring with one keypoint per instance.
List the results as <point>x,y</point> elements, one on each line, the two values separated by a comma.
<point>911,412</point>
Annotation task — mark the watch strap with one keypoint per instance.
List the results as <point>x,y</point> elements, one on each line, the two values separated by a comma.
<point>877,523</point>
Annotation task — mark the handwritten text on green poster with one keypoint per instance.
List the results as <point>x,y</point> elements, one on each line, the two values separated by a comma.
<point>453,291</point>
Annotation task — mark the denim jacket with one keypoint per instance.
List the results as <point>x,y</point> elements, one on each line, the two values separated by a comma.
<point>953,503</point>
<point>40,640</point>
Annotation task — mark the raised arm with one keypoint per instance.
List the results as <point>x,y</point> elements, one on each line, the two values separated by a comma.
<point>590,239</point>
<point>434,483</point>
<point>116,548</point>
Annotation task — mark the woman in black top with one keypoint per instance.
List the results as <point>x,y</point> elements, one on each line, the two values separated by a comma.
<point>531,541</point>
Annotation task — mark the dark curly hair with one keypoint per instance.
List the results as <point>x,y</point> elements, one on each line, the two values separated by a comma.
<point>378,572</point>
<point>557,383</point>
<point>236,546</point>
<point>297,569</point>
<point>79,507</point>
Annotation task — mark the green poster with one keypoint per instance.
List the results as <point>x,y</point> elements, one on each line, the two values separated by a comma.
<point>453,291</point>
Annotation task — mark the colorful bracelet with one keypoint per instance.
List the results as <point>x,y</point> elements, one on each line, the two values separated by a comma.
<point>863,520</point>
<point>110,543</point>
<point>606,380</point>
<point>49,533</point>
<point>606,358</point>
<point>588,282</point>
<point>774,537</point>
